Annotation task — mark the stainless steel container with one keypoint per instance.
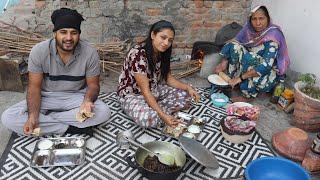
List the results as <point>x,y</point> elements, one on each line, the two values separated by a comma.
<point>63,151</point>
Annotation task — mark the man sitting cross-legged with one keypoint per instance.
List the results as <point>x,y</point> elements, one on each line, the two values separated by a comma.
<point>63,82</point>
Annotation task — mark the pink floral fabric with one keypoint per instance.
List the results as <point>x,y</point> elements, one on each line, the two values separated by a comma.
<point>133,103</point>
<point>136,62</point>
<point>170,100</point>
<point>248,112</point>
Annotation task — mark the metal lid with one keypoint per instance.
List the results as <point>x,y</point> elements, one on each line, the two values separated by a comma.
<point>198,152</point>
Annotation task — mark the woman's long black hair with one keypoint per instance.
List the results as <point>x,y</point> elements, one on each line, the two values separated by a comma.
<point>164,56</point>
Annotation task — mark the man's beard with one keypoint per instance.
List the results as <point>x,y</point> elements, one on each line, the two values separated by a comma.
<point>60,45</point>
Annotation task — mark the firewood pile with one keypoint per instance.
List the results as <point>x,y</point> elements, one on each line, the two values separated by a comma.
<point>186,68</point>
<point>18,42</point>
<point>112,54</point>
<point>14,39</point>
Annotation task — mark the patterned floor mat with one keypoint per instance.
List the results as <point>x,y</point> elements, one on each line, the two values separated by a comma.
<point>104,159</point>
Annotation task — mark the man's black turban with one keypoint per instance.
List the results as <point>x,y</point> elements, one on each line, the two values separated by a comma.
<point>66,18</point>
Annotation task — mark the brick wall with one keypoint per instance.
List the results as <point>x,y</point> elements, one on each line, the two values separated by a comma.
<point>107,20</point>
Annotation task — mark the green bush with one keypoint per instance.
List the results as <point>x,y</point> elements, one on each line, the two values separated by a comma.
<point>310,89</point>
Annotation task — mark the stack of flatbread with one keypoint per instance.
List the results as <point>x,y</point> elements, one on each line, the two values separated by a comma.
<point>220,79</point>
<point>83,115</point>
<point>36,131</point>
<point>225,77</point>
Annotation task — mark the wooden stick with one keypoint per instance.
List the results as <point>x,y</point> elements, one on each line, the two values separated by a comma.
<point>110,68</point>
<point>186,73</point>
<point>184,64</point>
<point>111,63</point>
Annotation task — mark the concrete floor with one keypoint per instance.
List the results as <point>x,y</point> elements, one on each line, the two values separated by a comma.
<point>271,120</point>
<point>7,99</point>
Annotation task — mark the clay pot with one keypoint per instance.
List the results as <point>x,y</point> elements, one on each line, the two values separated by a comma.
<point>311,161</point>
<point>292,143</point>
<point>306,110</point>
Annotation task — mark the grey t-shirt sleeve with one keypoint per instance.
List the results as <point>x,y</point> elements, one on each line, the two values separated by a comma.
<point>34,60</point>
<point>93,67</point>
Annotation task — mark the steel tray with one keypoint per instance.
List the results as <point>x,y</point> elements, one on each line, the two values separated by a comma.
<point>191,127</point>
<point>63,151</point>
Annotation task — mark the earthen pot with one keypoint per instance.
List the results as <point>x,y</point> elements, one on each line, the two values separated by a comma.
<point>292,143</point>
<point>311,161</point>
<point>306,113</point>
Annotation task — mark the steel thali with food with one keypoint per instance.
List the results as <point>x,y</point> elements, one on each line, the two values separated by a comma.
<point>190,126</point>
<point>63,151</point>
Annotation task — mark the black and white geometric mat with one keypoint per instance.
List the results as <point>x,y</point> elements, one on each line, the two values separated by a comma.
<point>104,159</point>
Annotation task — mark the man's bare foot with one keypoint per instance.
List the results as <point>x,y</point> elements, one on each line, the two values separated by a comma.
<point>222,66</point>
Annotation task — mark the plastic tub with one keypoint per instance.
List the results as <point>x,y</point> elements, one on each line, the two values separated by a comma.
<point>275,168</point>
<point>219,99</point>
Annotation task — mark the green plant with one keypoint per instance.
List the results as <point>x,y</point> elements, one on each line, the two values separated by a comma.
<point>308,78</point>
<point>310,89</point>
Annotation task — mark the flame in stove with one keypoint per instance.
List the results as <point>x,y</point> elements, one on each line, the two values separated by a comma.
<point>200,56</point>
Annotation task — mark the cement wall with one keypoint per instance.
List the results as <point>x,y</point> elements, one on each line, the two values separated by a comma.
<point>300,23</point>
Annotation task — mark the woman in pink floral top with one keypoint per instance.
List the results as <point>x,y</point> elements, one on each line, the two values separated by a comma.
<point>147,90</point>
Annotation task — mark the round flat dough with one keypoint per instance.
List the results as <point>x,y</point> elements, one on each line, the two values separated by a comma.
<point>217,80</point>
<point>45,144</point>
<point>194,129</point>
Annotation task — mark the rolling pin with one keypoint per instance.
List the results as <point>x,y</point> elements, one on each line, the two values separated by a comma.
<point>224,76</point>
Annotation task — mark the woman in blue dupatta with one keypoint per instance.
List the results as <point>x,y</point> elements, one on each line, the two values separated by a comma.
<point>257,58</point>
